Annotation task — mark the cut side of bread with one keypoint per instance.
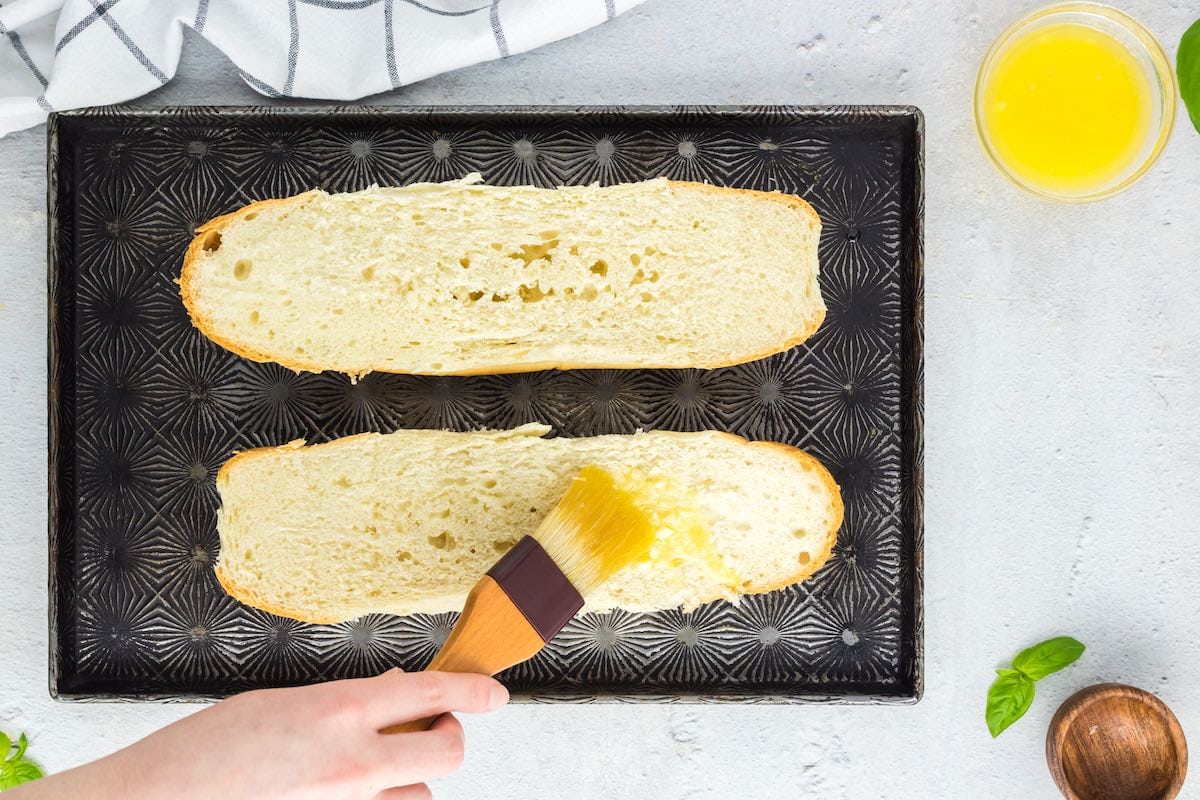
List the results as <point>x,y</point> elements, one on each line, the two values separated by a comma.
<point>408,522</point>
<point>462,278</point>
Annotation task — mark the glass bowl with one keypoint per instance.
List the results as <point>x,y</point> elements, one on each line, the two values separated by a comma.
<point>1149,56</point>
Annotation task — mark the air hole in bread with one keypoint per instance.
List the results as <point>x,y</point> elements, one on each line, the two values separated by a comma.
<point>654,276</point>
<point>337,312</point>
<point>343,482</point>
<point>574,250</point>
<point>532,294</point>
<point>804,557</point>
<point>489,484</point>
<point>637,278</point>
<point>799,533</point>
<point>589,293</point>
<point>499,298</point>
<point>498,246</point>
<point>436,365</point>
<point>444,513</point>
<point>368,273</point>
<point>241,269</point>
<point>403,555</point>
<point>254,317</point>
<point>251,216</point>
<point>547,235</point>
<point>503,545</point>
<point>464,262</point>
<point>600,268</point>
<point>473,296</point>
<point>443,541</point>
<point>635,259</point>
<point>647,297</point>
<point>211,242</point>
<point>535,252</point>
<point>649,251</point>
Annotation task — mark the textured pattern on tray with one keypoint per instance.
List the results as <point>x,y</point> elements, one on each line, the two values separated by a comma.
<point>144,410</point>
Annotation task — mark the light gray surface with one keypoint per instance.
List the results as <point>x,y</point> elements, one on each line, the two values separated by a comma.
<point>1063,366</point>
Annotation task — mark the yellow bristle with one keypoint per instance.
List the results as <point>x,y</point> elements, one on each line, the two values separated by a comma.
<point>600,526</point>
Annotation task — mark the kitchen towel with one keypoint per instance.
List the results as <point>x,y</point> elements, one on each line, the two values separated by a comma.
<point>60,54</point>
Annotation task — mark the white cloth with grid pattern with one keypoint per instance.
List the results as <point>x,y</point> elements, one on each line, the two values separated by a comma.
<point>60,54</point>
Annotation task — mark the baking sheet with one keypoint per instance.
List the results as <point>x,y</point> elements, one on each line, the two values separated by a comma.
<point>144,410</point>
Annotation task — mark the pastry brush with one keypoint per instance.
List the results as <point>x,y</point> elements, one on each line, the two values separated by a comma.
<point>599,526</point>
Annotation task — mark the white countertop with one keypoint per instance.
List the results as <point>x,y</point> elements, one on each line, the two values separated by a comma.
<point>1062,440</point>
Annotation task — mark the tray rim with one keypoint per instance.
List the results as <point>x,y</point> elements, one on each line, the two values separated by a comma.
<point>912,385</point>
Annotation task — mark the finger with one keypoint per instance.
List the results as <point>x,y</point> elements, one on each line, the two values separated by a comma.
<point>418,791</point>
<point>409,758</point>
<point>395,696</point>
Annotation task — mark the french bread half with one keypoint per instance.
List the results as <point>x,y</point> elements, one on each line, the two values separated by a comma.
<point>409,521</point>
<point>462,278</point>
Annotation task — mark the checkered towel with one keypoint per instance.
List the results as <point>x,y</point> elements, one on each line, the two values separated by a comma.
<point>57,54</point>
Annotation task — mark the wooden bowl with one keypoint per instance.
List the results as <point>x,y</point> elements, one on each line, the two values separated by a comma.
<point>1116,742</point>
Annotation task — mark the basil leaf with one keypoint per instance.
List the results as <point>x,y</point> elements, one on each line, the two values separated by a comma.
<point>1048,657</point>
<point>14,773</point>
<point>1187,66</point>
<point>27,771</point>
<point>22,743</point>
<point>1007,701</point>
<point>5,746</point>
<point>8,775</point>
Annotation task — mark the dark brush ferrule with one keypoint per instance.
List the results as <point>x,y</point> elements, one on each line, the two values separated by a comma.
<point>537,587</point>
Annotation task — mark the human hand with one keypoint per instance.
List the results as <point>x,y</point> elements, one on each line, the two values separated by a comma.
<point>319,742</point>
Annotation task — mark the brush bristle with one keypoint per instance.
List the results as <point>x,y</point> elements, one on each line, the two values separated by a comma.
<point>600,526</point>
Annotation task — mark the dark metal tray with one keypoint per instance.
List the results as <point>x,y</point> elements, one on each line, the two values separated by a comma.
<point>144,410</point>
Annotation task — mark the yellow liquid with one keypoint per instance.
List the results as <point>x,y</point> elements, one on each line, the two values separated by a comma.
<point>1067,108</point>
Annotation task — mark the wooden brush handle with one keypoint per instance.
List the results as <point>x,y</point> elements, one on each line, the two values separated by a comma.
<point>491,635</point>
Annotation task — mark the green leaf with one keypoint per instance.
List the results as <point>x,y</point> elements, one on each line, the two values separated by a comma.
<point>28,771</point>
<point>16,769</point>
<point>1048,657</point>
<point>1008,673</point>
<point>14,773</point>
<point>1007,701</point>
<point>1187,66</point>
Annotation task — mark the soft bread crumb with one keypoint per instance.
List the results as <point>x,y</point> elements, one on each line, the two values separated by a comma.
<point>458,278</point>
<point>407,522</point>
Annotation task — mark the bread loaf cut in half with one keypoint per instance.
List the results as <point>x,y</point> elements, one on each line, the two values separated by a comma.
<point>462,278</point>
<point>408,522</point>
